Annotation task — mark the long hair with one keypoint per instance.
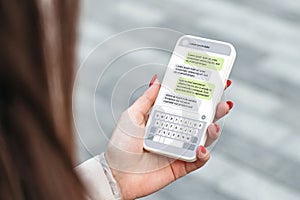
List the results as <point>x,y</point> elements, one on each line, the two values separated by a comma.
<point>37,40</point>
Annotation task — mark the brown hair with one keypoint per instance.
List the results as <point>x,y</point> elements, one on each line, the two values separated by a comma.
<point>37,39</point>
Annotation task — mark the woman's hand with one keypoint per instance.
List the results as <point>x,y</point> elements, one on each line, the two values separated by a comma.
<point>139,173</point>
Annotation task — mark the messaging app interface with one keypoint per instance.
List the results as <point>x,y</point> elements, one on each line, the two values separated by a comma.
<point>194,78</point>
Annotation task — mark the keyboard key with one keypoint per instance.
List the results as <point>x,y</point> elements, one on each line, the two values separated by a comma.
<point>159,131</point>
<point>171,119</point>
<point>189,146</point>
<point>167,117</point>
<point>161,140</point>
<point>173,142</point>
<point>192,147</point>
<point>185,130</point>
<point>157,123</point>
<point>150,137</point>
<point>157,115</point>
<point>153,129</point>
<point>166,126</point>
<point>162,124</point>
<point>180,129</point>
<point>156,138</point>
<point>169,133</point>
<point>171,127</point>
<point>185,122</point>
<point>186,145</point>
<point>176,120</point>
<point>176,128</point>
<point>183,137</point>
<point>188,138</point>
<point>195,124</point>
<point>173,135</point>
<point>180,120</point>
<point>200,125</point>
<point>194,140</point>
<point>195,132</point>
<point>177,143</point>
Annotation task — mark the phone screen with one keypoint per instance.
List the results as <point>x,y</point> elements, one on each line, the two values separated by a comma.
<point>192,86</point>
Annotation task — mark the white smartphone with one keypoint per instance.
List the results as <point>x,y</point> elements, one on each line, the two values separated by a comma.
<point>190,91</point>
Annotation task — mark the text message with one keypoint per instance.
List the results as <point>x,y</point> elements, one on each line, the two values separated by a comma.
<point>181,101</point>
<point>195,88</point>
<point>193,72</point>
<point>202,60</point>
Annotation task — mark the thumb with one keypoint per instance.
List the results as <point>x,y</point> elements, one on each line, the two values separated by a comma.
<point>203,156</point>
<point>142,105</point>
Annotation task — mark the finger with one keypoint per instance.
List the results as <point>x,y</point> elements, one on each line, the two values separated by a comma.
<point>213,132</point>
<point>143,104</point>
<point>203,156</point>
<point>228,83</point>
<point>223,108</point>
<point>146,117</point>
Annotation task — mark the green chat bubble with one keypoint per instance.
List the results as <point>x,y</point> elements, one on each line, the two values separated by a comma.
<point>195,88</point>
<point>202,60</point>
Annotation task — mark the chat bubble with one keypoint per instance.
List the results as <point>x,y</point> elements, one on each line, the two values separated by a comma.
<point>195,88</point>
<point>181,101</point>
<point>193,72</point>
<point>202,60</point>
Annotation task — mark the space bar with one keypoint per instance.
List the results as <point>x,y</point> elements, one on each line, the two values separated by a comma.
<point>172,142</point>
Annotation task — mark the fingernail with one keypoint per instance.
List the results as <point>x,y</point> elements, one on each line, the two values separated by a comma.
<point>230,104</point>
<point>152,80</point>
<point>203,149</point>
<point>202,152</point>
<point>228,83</point>
<point>217,127</point>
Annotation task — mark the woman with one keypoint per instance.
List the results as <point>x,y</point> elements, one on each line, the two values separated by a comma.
<point>37,41</point>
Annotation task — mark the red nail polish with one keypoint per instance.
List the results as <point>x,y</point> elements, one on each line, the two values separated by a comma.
<point>217,127</point>
<point>230,104</point>
<point>203,149</point>
<point>228,83</point>
<point>152,80</point>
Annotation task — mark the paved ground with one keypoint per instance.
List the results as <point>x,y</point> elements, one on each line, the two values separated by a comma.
<point>258,154</point>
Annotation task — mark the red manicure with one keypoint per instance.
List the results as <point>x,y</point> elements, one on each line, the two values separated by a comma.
<point>228,83</point>
<point>203,149</point>
<point>230,104</point>
<point>217,127</point>
<point>152,80</point>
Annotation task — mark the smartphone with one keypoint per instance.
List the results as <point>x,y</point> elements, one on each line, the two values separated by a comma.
<point>192,87</point>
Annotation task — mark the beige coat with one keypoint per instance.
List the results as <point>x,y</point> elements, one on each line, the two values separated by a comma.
<point>98,181</point>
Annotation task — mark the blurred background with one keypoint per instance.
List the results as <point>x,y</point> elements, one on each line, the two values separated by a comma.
<point>258,153</point>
